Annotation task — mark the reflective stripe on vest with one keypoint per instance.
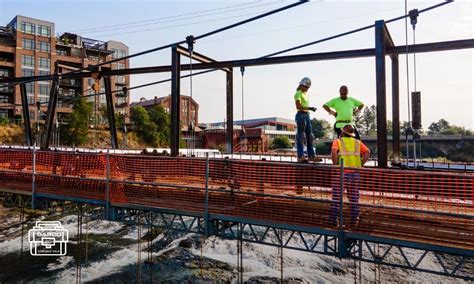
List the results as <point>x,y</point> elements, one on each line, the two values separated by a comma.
<point>349,151</point>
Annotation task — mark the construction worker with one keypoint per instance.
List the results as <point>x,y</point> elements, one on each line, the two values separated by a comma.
<point>353,154</point>
<point>343,108</point>
<point>303,121</point>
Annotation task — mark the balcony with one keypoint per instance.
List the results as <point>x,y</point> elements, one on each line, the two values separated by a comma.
<point>71,83</point>
<point>7,63</point>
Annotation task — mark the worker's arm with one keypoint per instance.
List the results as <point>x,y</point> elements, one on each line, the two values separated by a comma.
<point>335,152</point>
<point>302,108</point>
<point>358,109</point>
<point>329,110</point>
<point>334,157</point>
<point>365,157</point>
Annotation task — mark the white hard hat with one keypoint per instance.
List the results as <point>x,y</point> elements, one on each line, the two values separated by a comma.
<point>306,82</point>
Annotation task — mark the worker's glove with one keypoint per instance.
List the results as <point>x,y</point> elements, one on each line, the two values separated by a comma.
<point>312,108</point>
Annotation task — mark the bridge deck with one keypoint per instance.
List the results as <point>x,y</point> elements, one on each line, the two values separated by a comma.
<point>430,208</point>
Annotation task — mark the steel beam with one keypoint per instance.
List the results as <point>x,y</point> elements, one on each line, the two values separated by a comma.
<point>26,115</point>
<point>175,100</point>
<point>198,57</point>
<point>395,110</point>
<point>381,93</point>
<point>110,113</point>
<point>230,111</point>
<point>53,100</point>
<point>346,54</point>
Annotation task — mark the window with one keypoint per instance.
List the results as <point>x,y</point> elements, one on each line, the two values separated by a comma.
<point>43,73</point>
<point>121,100</point>
<point>3,113</point>
<point>28,44</point>
<point>120,79</point>
<point>4,99</point>
<point>118,53</point>
<point>28,72</point>
<point>44,63</point>
<point>61,52</point>
<point>43,99</point>
<point>4,73</point>
<point>44,31</point>
<point>44,46</point>
<point>31,99</point>
<point>28,28</point>
<point>120,66</point>
<point>44,90</point>
<point>30,88</point>
<point>27,60</point>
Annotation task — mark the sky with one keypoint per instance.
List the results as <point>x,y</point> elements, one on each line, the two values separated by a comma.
<point>445,79</point>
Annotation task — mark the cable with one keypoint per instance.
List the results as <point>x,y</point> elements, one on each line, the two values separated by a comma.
<point>242,71</point>
<point>38,78</point>
<point>190,41</point>
<point>161,19</point>
<point>178,25</point>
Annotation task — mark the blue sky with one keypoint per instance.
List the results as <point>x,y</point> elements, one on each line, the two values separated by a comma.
<point>445,79</point>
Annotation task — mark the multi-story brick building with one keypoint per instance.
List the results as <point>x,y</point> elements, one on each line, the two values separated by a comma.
<point>28,47</point>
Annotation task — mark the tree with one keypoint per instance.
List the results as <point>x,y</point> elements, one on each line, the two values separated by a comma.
<point>368,120</point>
<point>281,142</point>
<point>163,123</point>
<point>145,128</point>
<point>438,127</point>
<point>75,131</point>
<point>321,128</point>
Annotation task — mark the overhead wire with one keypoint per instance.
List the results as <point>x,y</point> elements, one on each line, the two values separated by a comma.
<point>163,18</point>
<point>91,67</point>
<point>178,25</point>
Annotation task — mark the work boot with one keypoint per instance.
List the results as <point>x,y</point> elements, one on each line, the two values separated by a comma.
<point>302,160</point>
<point>315,159</point>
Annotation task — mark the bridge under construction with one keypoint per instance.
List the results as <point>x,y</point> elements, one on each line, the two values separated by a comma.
<point>263,202</point>
<point>415,214</point>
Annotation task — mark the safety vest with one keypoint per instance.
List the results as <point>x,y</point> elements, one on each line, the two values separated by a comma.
<point>349,151</point>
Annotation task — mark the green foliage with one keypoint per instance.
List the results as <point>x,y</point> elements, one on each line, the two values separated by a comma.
<point>465,153</point>
<point>366,121</point>
<point>442,127</point>
<point>281,142</point>
<point>321,128</point>
<point>323,148</point>
<point>4,121</point>
<point>152,126</point>
<point>74,132</point>
<point>163,122</point>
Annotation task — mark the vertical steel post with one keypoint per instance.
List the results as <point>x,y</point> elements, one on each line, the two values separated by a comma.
<point>33,179</point>
<point>381,93</point>
<point>53,101</point>
<point>175,100</point>
<point>206,210</point>
<point>107,185</point>
<point>26,115</point>
<point>395,110</point>
<point>110,112</point>
<point>230,111</point>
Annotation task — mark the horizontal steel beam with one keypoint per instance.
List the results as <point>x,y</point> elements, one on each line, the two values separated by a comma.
<point>346,54</point>
<point>198,57</point>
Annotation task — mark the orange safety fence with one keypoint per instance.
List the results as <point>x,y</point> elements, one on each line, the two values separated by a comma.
<point>430,207</point>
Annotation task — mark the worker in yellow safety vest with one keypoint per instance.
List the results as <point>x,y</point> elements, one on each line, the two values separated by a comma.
<point>353,154</point>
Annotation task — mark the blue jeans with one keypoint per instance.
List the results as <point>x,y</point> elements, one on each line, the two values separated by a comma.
<point>351,183</point>
<point>303,131</point>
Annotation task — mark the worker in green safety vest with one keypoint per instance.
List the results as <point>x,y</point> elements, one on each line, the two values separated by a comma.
<point>344,108</point>
<point>353,154</point>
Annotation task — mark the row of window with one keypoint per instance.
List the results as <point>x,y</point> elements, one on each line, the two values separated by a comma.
<point>4,73</point>
<point>29,61</point>
<point>31,28</point>
<point>31,45</point>
<point>118,53</point>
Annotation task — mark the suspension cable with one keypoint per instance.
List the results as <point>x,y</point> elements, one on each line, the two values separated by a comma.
<point>191,137</point>
<point>242,71</point>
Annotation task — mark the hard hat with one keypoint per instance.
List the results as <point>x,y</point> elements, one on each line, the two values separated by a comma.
<point>306,82</point>
<point>348,130</point>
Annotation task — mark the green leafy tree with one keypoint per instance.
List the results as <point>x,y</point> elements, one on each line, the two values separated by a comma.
<point>75,131</point>
<point>321,128</point>
<point>145,128</point>
<point>281,142</point>
<point>162,121</point>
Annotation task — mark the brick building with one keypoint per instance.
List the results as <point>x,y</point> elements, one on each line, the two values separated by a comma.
<point>165,102</point>
<point>28,47</point>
